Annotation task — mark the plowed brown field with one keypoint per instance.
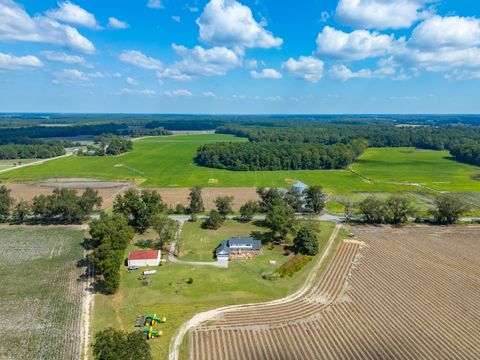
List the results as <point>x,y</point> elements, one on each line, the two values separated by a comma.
<point>406,293</point>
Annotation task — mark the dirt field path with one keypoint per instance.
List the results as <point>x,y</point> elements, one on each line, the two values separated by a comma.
<point>200,318</point>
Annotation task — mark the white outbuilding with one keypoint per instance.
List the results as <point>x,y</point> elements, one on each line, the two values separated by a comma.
<point>144,258</point>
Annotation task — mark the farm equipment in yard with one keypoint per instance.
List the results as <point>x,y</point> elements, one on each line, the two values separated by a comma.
<point>150,333</point>
<point>152,319</point>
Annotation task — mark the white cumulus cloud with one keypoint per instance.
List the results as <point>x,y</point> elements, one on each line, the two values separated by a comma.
<point>73,14</point>
<point>178,93</point>
<point>17,25</point>
<point>141,60</point>
<point>382,14</point>
<point>62,57</point>
<point>155,4</point>
<point>11,62</point>
<point>266,74</point>
<point>131,81</point>
<point>229,23</point>
<point>114,23</point>
<point>451,31</point>
<point>342,72</point>
<point>306,67</point>
<point>199,61</point>
<point>357,45</point>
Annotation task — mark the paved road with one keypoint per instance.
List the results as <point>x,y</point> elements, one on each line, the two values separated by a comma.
<point>34,163</point>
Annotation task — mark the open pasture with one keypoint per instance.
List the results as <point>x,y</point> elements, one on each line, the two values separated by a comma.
<point>392,293</point>
<point>167,162</point>
<point>40,295</point>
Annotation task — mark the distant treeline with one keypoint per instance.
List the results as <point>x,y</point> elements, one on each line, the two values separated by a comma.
<point>253,156</point>
<point>330,146</point>
<point>435,138</point>
<point>37,151</point>
<point>191,122</point>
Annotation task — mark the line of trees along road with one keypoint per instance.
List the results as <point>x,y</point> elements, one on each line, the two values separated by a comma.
<point>63,206</point>
<point>30,151</point>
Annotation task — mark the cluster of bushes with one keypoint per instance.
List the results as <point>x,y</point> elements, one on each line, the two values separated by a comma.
<point>113,344</point>
<point>109,145</point>
<point>252,156</point>
<point>62,206</point>
<point>295,264</point>
<point>397,209</point>
<point>30,151</point>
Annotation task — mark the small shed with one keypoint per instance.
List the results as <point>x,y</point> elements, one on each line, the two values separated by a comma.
<point>300,186</point>
<point>144,258</point>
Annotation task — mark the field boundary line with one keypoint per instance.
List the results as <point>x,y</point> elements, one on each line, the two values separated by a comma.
<point>199,318</point>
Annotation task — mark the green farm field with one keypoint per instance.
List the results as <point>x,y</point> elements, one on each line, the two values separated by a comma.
<point>40,295</point>
<point>170,295</point>
<point>167,162</point>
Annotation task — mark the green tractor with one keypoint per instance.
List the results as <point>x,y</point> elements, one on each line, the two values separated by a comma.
<point>152,319</point>
<point>150,333</point>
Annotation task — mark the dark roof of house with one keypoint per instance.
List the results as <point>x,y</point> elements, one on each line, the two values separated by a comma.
<point>223,249</point>
<point>245,241</point>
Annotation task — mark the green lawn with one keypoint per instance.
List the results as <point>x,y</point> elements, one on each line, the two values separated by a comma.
<point>434,169</point>
<point>197,244</point>
<point>171,296</point>
<point>168,162</point>
<point>40,295</point>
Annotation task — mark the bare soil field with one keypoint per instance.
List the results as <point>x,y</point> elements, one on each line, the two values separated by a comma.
<point>391,293</point>
<point>40,292</point>
<point>107,191</point>
<point>180,196</point>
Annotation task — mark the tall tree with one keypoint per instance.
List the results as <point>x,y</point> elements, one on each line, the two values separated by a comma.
<point>196,200</point>
<point>214,221</point>
<point>268,197</point>
<point>249,209</point>
<point>6,203</point>
<point>315,199</point>
<point>372,209</point>
<point>165,228</point>
<point>448,209</point>
<point>224,205</point>
<point>21,211</point>
<point>281,219</point>
<point>306,242</point>
<point>139,208</point>
<point>398,209</point>
<point>90,200</point>
<point>295,199</point>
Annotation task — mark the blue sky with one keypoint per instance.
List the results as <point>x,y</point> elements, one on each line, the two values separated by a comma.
<point>243,57</point>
